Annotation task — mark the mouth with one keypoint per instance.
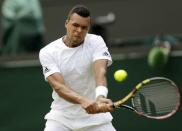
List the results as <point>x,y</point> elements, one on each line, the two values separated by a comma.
<point>77,36</point>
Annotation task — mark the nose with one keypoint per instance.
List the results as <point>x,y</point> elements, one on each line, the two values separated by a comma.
<point>79,29</point>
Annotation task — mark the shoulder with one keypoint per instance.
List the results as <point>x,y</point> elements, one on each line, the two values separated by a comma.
<point>50,48</point>
<point>94,40</point>
<point>91,37</point>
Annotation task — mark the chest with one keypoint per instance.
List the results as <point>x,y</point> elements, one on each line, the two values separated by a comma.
<point>75,62</point>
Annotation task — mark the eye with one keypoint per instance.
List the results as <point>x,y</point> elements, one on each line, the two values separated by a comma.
<point>75,25</point>
<point>84,27</point>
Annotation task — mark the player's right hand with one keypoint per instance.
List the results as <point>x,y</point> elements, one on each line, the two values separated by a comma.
<point>91,107</point>
<point>101,105</point>
<point>104,104</point>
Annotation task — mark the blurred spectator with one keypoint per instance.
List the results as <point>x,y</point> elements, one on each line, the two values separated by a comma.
<point>22,25</point>
<point>155,40</point>
<point>159,54</point>
<point>100,24</point>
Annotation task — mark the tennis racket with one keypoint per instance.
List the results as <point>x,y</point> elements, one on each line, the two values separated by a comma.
<point>155,98</point>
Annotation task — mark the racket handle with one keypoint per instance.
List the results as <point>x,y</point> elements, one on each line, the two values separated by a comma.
<point>115,105</point>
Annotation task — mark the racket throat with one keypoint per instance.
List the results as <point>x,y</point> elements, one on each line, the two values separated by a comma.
<point>128,107</point>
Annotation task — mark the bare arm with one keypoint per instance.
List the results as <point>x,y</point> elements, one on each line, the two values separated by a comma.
<point>56,81</point>
<point>100,69</point>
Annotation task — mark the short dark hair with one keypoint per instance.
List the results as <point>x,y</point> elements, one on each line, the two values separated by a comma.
<point>80,10</point>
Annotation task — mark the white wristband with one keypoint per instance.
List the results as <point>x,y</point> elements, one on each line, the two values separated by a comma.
<point>101,91</point>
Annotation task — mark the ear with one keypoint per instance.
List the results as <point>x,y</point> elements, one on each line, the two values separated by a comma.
<point>66,23</point>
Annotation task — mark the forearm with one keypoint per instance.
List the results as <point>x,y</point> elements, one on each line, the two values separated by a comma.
<point>100,68</point>
<point>105,105</point>
<point>100,76</point>
<point>101,79</point>
<point>56,81</point>
<point>68,94</point>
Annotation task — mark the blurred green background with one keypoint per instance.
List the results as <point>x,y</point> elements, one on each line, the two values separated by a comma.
<point>138,70</point>
<point>25,97</point>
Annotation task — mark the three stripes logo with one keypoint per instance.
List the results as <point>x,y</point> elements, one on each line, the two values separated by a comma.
<point>46,69</point>
<point>105,53</point>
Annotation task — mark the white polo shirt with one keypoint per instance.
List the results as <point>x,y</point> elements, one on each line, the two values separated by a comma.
<point>76,66</point>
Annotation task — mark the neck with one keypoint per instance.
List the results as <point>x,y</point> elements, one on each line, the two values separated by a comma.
<point>70,43</point>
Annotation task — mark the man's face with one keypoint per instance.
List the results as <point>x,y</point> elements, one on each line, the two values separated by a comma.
<point>77,27</point>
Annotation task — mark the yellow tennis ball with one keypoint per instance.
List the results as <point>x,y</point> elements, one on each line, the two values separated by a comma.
<point>120,75</point>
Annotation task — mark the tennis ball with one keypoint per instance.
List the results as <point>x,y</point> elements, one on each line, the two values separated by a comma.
<point>120,75</point>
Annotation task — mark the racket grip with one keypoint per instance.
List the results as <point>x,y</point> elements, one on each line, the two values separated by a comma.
<point>115,106</point>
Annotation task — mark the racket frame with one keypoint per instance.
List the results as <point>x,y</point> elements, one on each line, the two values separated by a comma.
<point>131,95</point>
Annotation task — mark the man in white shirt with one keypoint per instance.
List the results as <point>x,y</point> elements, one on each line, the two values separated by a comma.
<point>75,66</point>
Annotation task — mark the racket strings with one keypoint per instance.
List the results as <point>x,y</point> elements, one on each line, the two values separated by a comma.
<point>156,98</point>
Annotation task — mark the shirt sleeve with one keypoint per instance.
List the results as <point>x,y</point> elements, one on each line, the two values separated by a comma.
<point>48,63</point>
<point>101,51</point>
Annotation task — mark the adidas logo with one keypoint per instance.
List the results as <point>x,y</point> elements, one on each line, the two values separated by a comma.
<point>46,69</point>
<point>105,54</point>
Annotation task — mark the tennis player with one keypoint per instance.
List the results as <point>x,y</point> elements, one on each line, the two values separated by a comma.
<point>75,66</point>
